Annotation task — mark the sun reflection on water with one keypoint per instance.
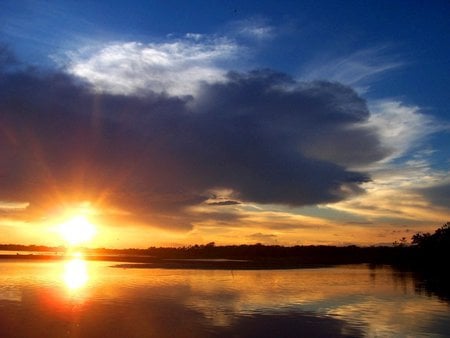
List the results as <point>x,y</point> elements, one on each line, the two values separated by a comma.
<point>75,274</point>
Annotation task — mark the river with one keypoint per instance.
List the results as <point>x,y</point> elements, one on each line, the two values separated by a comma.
<point>78,298</point>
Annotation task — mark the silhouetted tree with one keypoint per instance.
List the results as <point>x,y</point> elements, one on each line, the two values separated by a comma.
<point>432,250</point>
<point>440,240</point>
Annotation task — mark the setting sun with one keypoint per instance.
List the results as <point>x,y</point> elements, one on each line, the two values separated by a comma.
<point>77,230</point>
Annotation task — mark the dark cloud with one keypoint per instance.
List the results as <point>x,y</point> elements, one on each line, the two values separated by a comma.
<point>260,134</point>
<point>7,57</point>
<point>222,203</point>
<point>263,237</point>
<point>438,195</point>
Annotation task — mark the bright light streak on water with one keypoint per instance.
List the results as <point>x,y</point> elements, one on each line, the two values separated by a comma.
<point>75,273</point>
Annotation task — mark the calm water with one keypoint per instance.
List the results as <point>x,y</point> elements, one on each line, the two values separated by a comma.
<point>92,299</point>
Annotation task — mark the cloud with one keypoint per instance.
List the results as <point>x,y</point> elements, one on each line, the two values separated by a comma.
<point>256,28</point>
<point>175,68</point>
<point>438,194</point>
<point>7,57</point>
<point>264,238</point>
<point>402,127</point>
<point>314,120</point>
<point>359,69</point>
<point>221,203</point>
<point>260,135</point>
<point>406,131</point>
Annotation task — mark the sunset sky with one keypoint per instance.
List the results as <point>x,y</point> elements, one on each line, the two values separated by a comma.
<point>183,122</point>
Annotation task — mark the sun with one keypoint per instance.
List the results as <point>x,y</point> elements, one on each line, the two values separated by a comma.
<point>77,230</point>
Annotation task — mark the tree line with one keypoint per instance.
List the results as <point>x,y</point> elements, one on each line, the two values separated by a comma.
<point>424,249</point>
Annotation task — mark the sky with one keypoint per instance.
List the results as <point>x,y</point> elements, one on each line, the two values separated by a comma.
<point>170,123</point>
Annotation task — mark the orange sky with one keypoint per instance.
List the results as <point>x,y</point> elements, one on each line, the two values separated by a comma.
<point>374,220</point>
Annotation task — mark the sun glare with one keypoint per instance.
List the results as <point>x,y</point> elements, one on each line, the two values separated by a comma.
<point>77,230</point>
<point>75,273</point>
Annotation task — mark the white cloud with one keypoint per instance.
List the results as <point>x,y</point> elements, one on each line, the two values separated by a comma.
<point>401,127</point>
<point>357,69</point>
<point>176,68</point>
<point>254,28</point>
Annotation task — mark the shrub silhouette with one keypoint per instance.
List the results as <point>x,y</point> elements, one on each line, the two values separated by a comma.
<point>432,249</point>
<point>438,241</point>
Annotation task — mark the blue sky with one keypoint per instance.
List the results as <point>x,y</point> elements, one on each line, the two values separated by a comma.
<point>377,121</point>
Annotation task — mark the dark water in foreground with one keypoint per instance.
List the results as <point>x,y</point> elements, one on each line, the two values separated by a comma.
<point>92,299</point>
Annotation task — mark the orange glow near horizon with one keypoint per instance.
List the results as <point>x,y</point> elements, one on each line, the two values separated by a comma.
<point>77,223</point>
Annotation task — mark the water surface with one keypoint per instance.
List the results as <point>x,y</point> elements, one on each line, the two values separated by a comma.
<point>76,298</point>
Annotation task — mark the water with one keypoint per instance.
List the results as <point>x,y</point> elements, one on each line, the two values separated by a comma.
<point>92,299</point>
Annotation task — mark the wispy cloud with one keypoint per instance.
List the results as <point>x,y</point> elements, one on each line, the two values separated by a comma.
<point>256,28</point>
<point>401,127</point>
<point>359,69</point>
<point>175,68</point>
